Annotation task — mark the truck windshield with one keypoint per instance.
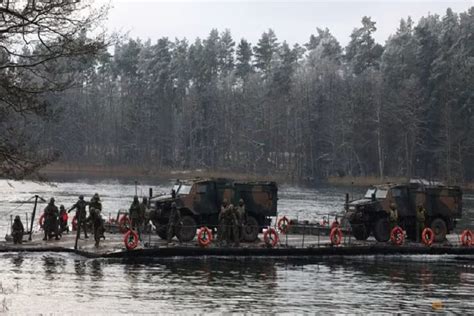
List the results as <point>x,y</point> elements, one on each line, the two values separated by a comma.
<point>369,193</point>
<point>379,193</point>
<point>185,189</point>
<point>176,187</point>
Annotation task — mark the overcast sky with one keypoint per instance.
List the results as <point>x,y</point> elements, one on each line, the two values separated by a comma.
<point>292,21</point>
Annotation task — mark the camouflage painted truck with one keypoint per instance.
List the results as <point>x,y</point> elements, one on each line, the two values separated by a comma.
<point>200,200</point>
<point>369,215</point>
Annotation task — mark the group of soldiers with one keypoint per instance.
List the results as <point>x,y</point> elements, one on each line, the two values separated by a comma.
<point>231,223</point>
<point>420,219</point>
<point>56,220</point>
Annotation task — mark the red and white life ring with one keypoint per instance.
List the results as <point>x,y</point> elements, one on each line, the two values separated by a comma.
<point>270,237</point>
<point>427,236</point>
<point>283,225</point>
<point>124,223</point>
<point>130,239</point>
<point>397,236</point>
<point>466,238</point>
<point>41,220</point>
<point>335,236</point>
<point>204,236</point>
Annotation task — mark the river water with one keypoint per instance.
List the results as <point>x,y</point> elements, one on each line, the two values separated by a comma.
<point>51,283</point>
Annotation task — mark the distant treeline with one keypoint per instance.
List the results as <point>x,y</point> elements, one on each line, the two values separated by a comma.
<point>308,111</point>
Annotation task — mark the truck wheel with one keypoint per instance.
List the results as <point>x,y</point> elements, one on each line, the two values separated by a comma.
<point>360,231</point>
<point>438,225</point>
<point>187,231</point>
<point>251,228</point>
<point>381,230</point>
<point>161,230</point>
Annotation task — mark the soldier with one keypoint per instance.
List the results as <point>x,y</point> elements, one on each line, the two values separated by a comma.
<point>242,217</point>
<point>80,215</point>
<point>174,223</point>
<point>63,220</point>
<point>393,216</point>
<point>51,220</point>
<point>236,225</point>
<point>420,221</point>
<point>97,224</point>
<point>143,211</point>
<point>221,229</point>
<point>17,230</point>
<point>135,215</point>
<point>95,209</point>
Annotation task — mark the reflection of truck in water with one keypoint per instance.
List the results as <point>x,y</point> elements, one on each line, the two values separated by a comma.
<point>200,200</point>
<point>370,214</point>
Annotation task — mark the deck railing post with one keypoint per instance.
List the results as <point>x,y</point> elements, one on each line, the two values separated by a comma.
<point>319,230</point>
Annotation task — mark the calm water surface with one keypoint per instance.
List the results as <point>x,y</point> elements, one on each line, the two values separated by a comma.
<point>68,284</point>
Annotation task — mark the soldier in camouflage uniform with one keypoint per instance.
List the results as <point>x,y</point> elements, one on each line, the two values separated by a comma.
<point>51,221</point>
<point>221,229</point>
<point>81,213</point>
<point>236,224</point>
<point>420,221</point>
<point>143,212</point>
<point>95,209</point>
<point>174,223</point>
<point>135,215</point>
<point>17,230</point>
<point>242,217</point>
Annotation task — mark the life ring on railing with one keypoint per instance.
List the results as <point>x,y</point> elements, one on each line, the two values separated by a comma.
<point>270,237</point>
<point>334,224</point>
<point>427,236</point>
<point>397,236</point>
<point>283,225</point>
<point>74,223</point>
<point>130,239</point>
<point>204,236</point>
<point>124,223</point>
<point>335,236</point>
<point>41,220</point>
<point>466,238</point>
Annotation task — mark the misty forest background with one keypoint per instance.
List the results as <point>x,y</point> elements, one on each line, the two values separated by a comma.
<point>305,112</point>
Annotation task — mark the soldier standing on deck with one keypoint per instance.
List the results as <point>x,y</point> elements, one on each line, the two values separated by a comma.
<point>235,226</point>
<point>221,229</point>
<point>242,217</point>
<point>143,212</point>
<point>95,209</point>
<point>80,215</point>
<point>135,215</point>
<point>174,223</point>
<point>51,220</point>
<point>17,230</point>
<point>420,221</point>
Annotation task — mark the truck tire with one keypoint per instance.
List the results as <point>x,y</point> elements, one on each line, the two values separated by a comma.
<point>251,228</point>
<point>440,229</point>
<point>161,230</point>
<point>187,231</point>
<point>360,231</point>
<point>381,230</point>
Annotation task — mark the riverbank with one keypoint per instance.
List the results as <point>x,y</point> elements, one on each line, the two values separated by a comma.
<point>61,172</point>
<point>71,172</point>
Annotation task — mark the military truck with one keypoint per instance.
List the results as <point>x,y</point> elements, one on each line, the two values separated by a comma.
<point>369,215</point>
<point>200,200</point>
